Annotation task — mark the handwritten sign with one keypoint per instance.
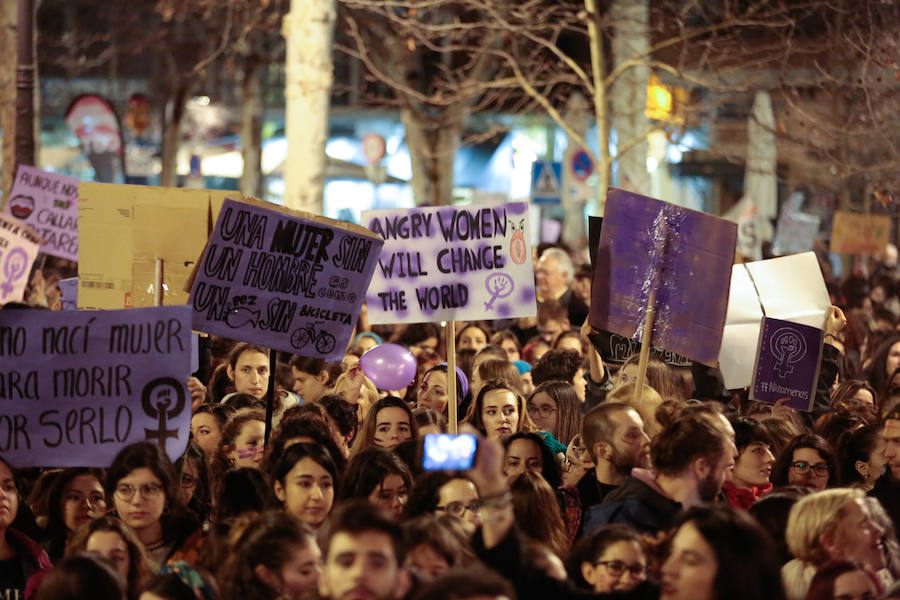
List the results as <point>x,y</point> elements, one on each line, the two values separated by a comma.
<point>273,278</point>
<point>49,203</point>
<point>75,388</point>
<point>19,245</point>
<point>790,288</point>
<point>68,288</point>
<point>615,349</point>
<point>685,255</point>
<point>859,234</point>
<point>787,364</point>
<point>452,263</point>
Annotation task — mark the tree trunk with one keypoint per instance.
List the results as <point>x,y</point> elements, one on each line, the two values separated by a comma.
<point>251,127</point>
<point>629,93</point>
<point>172,137</point>
<point>432,151</point>
<point>9,18</point>
<point>309,71</point>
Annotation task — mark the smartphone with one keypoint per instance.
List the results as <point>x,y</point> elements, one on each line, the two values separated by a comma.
<point>449,452</point>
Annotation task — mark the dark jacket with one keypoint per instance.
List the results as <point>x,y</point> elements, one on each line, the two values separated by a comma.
<point>35,562</point>
<point>639,502</point>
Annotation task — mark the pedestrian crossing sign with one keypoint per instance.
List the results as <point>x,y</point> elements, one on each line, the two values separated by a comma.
<point>545,182</point>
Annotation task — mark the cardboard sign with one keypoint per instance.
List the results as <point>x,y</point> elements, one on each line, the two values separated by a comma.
<point>285,280</point>
<point>452,263</point>
<point>49,203</point>
<point>19,245</point>
<point>859,234</point>
<point>795,232</point>
<point>68,288</point>
<point>787,364</point>
<point>142,224</point>
<point>75,388</point>
<point>790,288</point>
<point>686,256</point>
<point>615,350</point>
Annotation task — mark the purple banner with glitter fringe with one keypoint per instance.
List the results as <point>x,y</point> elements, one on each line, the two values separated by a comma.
<point>787,364</point>
<point>451,263</point>
<point>684,254</point>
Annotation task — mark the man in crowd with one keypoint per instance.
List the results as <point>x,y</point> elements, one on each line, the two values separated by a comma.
<point>614,436</point>
<point>554,274</point>
<point>691,460</point>
<point>363,555</point>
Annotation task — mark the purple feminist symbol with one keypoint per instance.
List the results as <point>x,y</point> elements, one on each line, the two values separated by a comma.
<point>498,285</point>
<point>789,347</point>
<point>13,269</point>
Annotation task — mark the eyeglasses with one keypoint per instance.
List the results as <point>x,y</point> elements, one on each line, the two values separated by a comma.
<point>458,508</point>
<point>188,480</point>
<point>617,568</point>
<point>803,467</point>
<point>125,491</point>
<point>543,411</point>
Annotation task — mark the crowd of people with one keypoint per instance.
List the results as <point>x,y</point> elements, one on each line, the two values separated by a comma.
<point>583,485</point>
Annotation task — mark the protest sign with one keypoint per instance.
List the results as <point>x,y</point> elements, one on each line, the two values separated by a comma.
<point>790,288</point>
<point>283,279</point>
<point>795,232</point>
<point>787,364</point>
<point>616,349</point>
<point>19,245</point>
<point>68,288</point>
<point>144,224</point>
<point>685,256</point>
<point>48,202</point>
<point>859,234</point>
<point>452,263</point>
<point>76,387</point>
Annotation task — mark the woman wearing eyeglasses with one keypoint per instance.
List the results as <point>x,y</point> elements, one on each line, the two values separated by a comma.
<point>445,492</point>
<point>142,485</point>
<point>554,408</point>
<point>612,559</point>
<point>808,461</point>
<point>75,497</point>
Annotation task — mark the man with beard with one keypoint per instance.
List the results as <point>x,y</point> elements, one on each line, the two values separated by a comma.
<point>363,556</point>
<point>614,436</point>
<point>887,488</point>
<point>691,460</point>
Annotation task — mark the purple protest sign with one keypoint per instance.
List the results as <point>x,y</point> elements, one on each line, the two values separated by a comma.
<point>49,203</point>
<point>68,288</point>
<point>452,263</point>
<point>685,255</point>
<point>19,245</point>
<point>77,387</point>
<point>273,278</point>
<point>787,364</point>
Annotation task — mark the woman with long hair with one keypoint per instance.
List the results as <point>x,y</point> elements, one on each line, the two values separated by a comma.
<point>143,487</point>
<point>110,538</point>
<point>275,557</point>
<point>75,497</point>
<point>554,408</point>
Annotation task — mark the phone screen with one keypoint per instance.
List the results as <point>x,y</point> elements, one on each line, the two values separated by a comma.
<point>448,452</point>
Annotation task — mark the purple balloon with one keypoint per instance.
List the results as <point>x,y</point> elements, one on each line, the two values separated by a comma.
<point>389,366</point>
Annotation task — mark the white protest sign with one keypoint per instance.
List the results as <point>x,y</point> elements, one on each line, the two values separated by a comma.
<point>19,245</point>
<point>49,203</point>
<point>790,288</point>
<point>451,263</point>
<point>77,387</point>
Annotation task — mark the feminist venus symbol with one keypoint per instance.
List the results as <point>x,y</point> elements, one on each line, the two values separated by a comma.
<point>498,285</point>
<point>13,269</point>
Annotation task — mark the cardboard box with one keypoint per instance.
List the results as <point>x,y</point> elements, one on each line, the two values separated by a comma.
<point>124,229</point>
